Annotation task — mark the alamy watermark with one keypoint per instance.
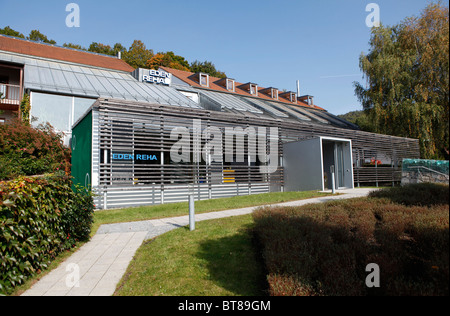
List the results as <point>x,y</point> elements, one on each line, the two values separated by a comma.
<point>73,18</point>
<point>227,144</point>
<point>73,277</point>
<point>373,19</point>
<point>373,278</point>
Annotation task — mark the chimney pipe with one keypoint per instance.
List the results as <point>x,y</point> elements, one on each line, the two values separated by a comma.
<point>298,88</point>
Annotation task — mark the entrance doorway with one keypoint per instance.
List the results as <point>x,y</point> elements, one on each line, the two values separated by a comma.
<point>308,164</point>
<point>337,157</point>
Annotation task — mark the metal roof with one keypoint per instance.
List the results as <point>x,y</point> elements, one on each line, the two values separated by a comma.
<point>230,101</point>
<point>66,78</point>
<point>266,107</point>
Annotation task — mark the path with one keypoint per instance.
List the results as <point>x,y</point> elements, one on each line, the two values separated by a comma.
<point>101,262</point>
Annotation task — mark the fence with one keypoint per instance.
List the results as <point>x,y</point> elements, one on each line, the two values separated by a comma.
<point>422,170</point>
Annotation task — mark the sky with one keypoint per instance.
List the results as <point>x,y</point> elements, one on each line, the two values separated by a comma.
<point>271,43</point>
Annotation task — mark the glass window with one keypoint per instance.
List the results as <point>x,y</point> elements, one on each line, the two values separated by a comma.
<point>55,109</point>
<point>81,105</point>
<point>253,89</point>
<point>204,80</point>
<point>60,111</point>
<point>230,85</point>
<point>275,94</point>
<point>293,97</point>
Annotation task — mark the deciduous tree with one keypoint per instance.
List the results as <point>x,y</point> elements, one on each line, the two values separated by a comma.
<point>208,68</point>
<point>137,55</point>
<point>407,80</point>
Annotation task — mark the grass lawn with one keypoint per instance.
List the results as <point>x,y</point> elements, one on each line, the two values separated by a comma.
<point>179,209</point>
<point>217,259</point>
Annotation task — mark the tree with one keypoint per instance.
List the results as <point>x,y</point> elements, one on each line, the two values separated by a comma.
<point>10,32</point>
<point>75,46</point>
<point>359,118</point>
<point>168,59</point>
<point>137,55</point>
<point>407,80</point>
<point>208,68</point>
<point>100,48</point>
<point>37,36</point>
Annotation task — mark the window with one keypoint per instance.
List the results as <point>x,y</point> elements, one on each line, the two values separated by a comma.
<point>275,94</point>
<point>60,111</point>
<point>204,80</point>
<point>294,97</point>
<point>2,121</point>
<point>230,85</point>
<point>253,89</point>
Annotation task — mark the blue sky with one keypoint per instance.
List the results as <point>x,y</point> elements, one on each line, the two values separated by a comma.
<point>271,43</point>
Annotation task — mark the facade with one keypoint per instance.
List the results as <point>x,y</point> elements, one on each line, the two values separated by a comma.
<point>150,136</point>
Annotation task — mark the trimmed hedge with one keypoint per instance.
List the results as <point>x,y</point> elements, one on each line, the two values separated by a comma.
<point>40,217</point>
<point>323,249</point>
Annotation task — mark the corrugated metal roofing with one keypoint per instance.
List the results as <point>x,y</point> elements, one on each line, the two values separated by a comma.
<point>229,101</point>
<point>286,109</point>
<point>64,78</point>
<point>266,107</point>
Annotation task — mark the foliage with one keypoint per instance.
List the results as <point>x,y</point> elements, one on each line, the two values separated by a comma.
<point>37,36</point>
<point>10,32</point>
<point>360,118</point>
<point>422,194</point>
<point>407,73</point>
<point>168,59</point>
<point>208,68</point>
<point>74,46</point>
<point>39,218</point>
<point>323,249</point>
<point>25,108</point>
<point>101,48</point>
<point>25,150</point>
<point>137,55</point>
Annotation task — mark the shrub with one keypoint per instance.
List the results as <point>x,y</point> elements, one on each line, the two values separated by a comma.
<point>39,218</point>
<point>25,150</point>
<point>323,249</point>
<point>425,194</point>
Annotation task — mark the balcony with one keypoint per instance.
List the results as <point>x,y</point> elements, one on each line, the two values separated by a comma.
<point>11,87</point>
<point>10,96</point>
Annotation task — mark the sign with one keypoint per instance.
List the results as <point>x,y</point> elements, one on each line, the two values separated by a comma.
<point>138,157</point>
<point>157,76</point>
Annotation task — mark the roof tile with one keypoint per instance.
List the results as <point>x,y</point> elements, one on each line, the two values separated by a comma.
<point>26,47</point>
<point>216,84</point>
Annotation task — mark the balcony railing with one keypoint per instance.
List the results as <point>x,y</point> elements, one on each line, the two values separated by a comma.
<point>10,94</point>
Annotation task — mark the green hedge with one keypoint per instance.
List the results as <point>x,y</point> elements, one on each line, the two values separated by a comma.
<point>39,218</point>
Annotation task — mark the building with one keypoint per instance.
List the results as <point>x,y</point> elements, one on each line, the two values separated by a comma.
<point>149,136</point>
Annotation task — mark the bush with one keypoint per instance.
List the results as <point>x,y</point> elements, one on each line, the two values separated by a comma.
<point>323,249</point>
<point>25,150</point>
<point>39,218</point>
<point>424,194</point>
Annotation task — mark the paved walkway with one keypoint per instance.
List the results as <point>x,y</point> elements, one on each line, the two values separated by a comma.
<point>97,267</point>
